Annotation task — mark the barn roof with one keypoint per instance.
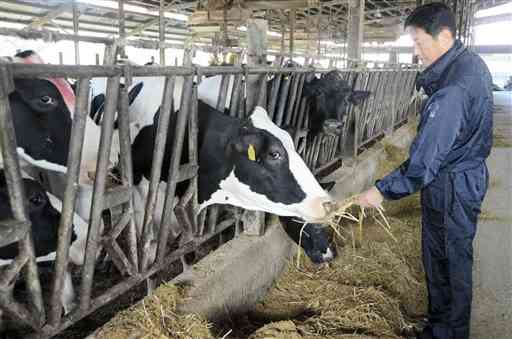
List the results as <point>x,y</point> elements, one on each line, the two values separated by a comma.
<point>203,21</point>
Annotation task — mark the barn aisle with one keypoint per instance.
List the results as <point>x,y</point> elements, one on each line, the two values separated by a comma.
<point>492,301</point>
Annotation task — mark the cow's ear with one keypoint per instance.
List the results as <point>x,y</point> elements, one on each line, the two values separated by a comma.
<point>97,106</point>
<point>357,97</point>
<point>134,92</point>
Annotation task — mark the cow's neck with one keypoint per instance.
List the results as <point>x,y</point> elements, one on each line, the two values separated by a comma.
<point>216,129</point>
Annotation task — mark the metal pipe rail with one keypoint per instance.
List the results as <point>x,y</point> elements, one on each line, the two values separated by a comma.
<point>285,106</point>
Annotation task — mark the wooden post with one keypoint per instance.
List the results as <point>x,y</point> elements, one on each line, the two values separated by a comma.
<point>75,30</point>
<point>161,32</point>
<point>355,29</point>
<point>254,222</point>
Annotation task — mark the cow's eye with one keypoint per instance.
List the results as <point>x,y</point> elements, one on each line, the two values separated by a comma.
<point>45,99</point>
<point>275,155</point>
<point>36,200</point>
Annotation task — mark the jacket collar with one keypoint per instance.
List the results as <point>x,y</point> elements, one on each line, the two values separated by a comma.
<point>430,77</point>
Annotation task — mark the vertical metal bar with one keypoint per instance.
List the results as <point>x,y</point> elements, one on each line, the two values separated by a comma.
<point>68,204</point>
<point>298,100</point>
<point>75,30</point>
<point>193,130</point>
<point>276,84</point>
<point>293,13</point>
<point>98,196</point>
<point>16,193</point>
<point>174,166</point>
<point>161,31</point>
<point>213,213</point>
<point>156,168</point>
<point>122,31</point>
<point>97,59</point>
<point>291,98</point>
<point>302,114</point>
<point>236,95</point>
<point>127,170</point>
<point>223,92</point>
<point>262,93</point>
<point>283,98</point>
<point>61,58</point>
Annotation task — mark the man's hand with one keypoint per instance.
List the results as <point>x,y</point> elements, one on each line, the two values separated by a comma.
<point>370,198</point>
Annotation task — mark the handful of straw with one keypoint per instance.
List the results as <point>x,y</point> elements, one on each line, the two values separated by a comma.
<point>341,211</point>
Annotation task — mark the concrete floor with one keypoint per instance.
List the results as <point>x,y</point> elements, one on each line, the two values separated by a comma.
<point>492,295</point>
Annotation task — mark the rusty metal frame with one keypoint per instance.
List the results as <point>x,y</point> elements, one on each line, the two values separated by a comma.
<point>131,260</point>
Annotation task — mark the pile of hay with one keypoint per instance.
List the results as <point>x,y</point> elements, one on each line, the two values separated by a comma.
<point>375,288</point>
<point>156,317</point>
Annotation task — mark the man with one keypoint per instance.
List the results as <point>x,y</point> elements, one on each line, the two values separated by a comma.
<point>447,163</point>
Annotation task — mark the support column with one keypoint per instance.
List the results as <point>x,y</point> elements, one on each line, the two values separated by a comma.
<point>254,222</point>
<point>161,31</point>
<point>75,30</point>
<point>293,13</point>
<point>393,56</point>
<point>122,31</point>
<point>355,29</point>
<point>256,55</point>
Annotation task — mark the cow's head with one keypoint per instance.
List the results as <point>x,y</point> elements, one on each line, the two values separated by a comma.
<point>42,110</point>
<point>43,216</point>
<point>329,98</point>
<point>314,240</point>
<point>262,171</point>
<point>41,120</point>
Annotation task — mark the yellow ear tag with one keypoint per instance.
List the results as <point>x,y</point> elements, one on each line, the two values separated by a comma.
<point>251,153</point>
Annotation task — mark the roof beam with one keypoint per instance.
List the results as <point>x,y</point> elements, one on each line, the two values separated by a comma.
<point>53,14</point>
<point>277,4</point>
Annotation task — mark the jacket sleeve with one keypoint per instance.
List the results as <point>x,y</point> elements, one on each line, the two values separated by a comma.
<point>440,125</point>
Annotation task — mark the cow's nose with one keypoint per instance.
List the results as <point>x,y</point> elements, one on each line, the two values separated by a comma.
<point>315,209</point>
<point>328,255</point>
<point>330,206</point>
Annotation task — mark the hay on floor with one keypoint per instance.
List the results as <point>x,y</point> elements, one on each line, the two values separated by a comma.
<point>156,317</point>
<point>374,287</point>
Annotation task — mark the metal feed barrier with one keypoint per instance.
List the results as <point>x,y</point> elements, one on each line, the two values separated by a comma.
<point>386,108</point>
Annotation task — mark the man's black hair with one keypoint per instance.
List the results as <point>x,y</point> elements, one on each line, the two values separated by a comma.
<point>432,18</point>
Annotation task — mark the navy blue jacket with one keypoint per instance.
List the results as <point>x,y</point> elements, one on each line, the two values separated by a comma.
<point>455,128</point>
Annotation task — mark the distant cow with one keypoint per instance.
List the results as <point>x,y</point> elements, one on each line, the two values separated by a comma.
<point>329,98</point>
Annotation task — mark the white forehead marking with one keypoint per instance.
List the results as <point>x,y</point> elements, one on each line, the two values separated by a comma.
<point>261,120</point>
<point>298,168</point>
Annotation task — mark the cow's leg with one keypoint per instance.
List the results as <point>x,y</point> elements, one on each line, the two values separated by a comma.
<point>68,294</point>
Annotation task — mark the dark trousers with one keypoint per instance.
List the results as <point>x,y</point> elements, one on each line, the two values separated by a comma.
<point>450,207</point>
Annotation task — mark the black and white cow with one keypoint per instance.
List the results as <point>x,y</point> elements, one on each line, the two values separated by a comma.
<point>43,210</point>
<point>43,110</point>
<point>329,98</point>
<point>250,164</point>
<point>271,185</point>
